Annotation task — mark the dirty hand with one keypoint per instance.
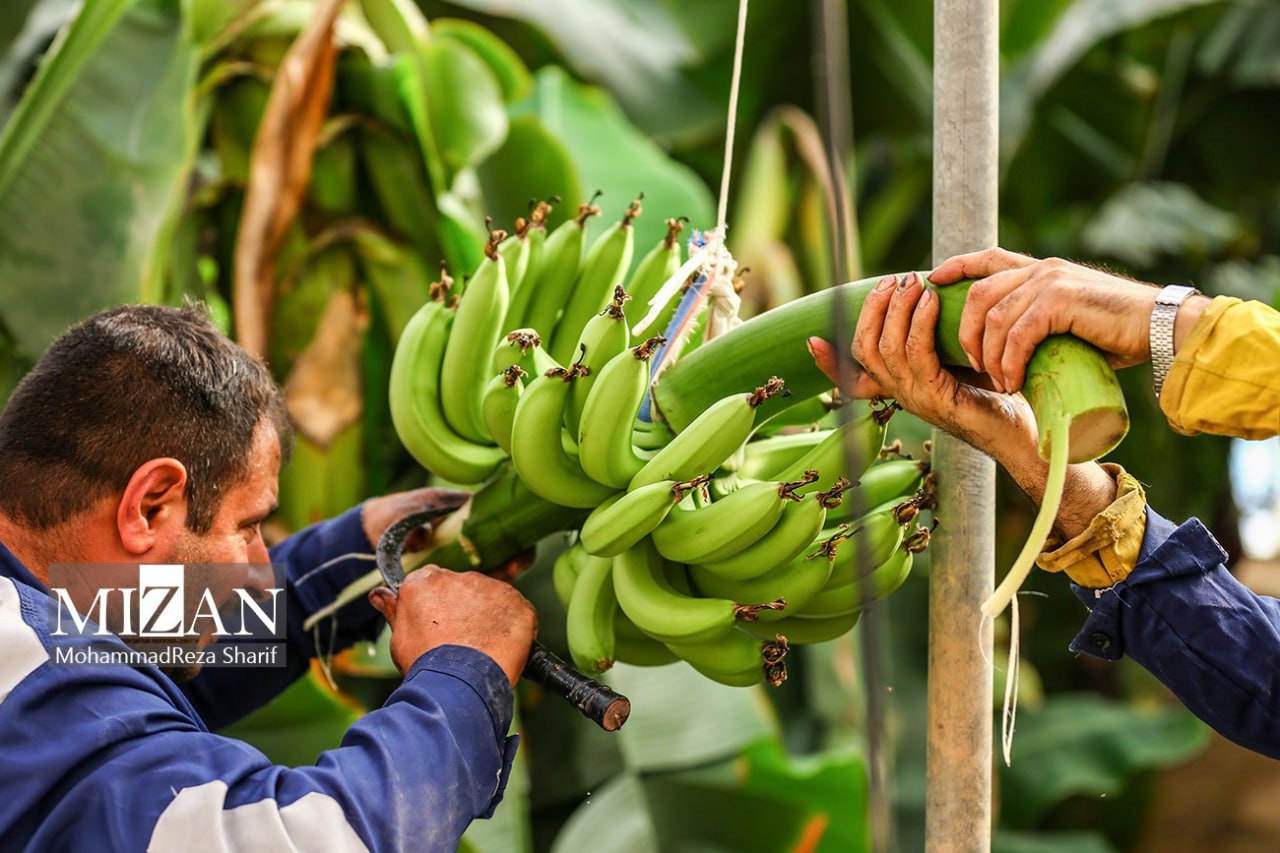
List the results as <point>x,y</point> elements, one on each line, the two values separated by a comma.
<point>1017,301</point>
<point>894,356</point>
<point>894,346</point>
<point>381,512</point>
<point>438,607</point>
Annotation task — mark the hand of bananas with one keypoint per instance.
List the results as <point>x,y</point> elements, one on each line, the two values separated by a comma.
<point>713,545</point>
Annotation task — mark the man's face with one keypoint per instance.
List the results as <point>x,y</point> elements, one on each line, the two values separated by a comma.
<point>231,554</point>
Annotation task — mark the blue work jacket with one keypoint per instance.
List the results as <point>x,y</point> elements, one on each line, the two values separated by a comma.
<point>121,758</point>
<point>1188,621</point>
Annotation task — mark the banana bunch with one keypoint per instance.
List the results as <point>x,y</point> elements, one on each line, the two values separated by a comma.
<point>717,545</point>
<point>502,368</point>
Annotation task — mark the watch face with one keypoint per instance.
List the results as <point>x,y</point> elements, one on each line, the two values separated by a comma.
<point>1174,294</point>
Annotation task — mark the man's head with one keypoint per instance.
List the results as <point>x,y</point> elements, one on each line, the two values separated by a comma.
<point>144,435</point>
<point>125,387</point>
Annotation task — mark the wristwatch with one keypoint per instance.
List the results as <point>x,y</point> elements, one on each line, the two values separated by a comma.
<point>1163,314</point>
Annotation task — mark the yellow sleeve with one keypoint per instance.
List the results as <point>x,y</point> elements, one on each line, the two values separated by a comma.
<point>1107,550</point>
<point>1226,377</point>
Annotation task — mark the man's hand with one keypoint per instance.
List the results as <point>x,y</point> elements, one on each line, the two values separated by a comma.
<point>381,512</point>
<point>438,607</point>
<point>1017,301</point>
<point>894,344</point>
<point>895,357</point>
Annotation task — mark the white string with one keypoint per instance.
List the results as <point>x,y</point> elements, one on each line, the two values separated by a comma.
<point>1010,713</point>
<point>354,555</point>
<point>712,258</point>
<point>326,657</point>
<point>731,125</point>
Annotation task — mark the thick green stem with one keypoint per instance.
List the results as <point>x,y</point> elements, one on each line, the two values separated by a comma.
<point>1065,374</point>
<point>1059,436</point>
<point>502,520</point>
<point>505,520</point>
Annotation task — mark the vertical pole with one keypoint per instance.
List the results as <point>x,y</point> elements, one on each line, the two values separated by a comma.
<point>831,19</point>
<point>965,178</point>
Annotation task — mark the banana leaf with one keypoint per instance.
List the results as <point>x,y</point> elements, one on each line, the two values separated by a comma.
<point>91,164</point>
<point>1086,745</point>
<point>12,17</point>
<point>616,158</point>
<point>26,29</point>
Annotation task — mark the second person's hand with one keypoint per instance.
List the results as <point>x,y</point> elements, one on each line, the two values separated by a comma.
<point>893,346</point>
<point>1017,301</point>
<point>894,356</point>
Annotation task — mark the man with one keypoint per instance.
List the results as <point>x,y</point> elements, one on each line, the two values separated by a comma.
<point>143,436</point>
<point>1157,592</point>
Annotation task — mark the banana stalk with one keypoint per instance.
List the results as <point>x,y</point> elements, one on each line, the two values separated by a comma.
<point>1066,375</point>
<point>500,521</point>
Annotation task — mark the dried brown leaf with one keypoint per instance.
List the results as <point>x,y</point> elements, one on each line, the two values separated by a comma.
<point>323,390</point>
<point>280,168</point>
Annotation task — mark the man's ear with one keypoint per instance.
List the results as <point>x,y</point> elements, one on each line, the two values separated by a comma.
<point>153,508</point>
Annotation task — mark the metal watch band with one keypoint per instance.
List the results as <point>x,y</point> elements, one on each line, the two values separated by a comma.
<point>1163,315</point>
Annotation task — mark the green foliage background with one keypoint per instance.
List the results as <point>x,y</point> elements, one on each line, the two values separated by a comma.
<point>1135,134</point>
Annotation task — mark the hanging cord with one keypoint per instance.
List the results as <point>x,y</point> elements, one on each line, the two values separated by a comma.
<point>732,123</point>
<point>710,264</point>
<point>1009,715</point>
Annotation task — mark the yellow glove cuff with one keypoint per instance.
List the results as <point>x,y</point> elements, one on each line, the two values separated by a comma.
<point>1105,553</point>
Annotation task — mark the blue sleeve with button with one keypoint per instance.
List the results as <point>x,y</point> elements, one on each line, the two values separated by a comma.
<point>1181,615</point>
<point>314,565</point>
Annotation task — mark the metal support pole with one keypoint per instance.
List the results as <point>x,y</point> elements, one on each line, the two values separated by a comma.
<point>965,178</point>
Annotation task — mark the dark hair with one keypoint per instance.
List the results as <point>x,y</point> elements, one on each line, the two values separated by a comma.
<point>131,384</point>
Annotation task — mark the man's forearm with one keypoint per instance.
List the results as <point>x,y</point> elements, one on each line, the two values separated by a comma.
<point>1088,491</point>
<point>1203,634</point>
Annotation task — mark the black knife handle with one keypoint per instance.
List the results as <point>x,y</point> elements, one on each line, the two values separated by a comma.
<point>597,702</point>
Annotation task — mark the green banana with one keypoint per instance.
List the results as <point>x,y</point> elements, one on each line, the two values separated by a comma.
<point>842,600</point>
<point>623,520</point>
<point>549,289</point>
<point>633,646</point>
<point>797,630</point>
<point>866,437</point>
<point>662,262</point>
<point>590,620</point>
<point>604,336</point>
<point>565,571</point>
<point>725,527</point>
<point>475,329</point>
<point>538,451</point>
<point>603,269</point>
<point>652,602</point>
<point>522,251</point>
<point>882,483</point>
<point>606,426</point>
<point>542,362</point>
<point>857,550</point>
<point>764,457</point>
<point>795,582</point>
<point>498,404</point>
<point>709,440</point>
<point>517,347</point>
<point>796,528</point>
<point>415,402</point>
<point>537,241</point>
<point>651,435</point>
<point>737,659</point>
